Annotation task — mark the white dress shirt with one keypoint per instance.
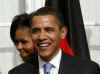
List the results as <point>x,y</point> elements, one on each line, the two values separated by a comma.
<point>55,61</point>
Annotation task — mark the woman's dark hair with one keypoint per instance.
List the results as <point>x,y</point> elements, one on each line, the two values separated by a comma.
<point>21,20</point>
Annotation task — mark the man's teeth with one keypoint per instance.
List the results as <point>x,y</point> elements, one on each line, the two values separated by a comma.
<point>43,45</point>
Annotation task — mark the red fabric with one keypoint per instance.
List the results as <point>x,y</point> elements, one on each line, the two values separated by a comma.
<point>65,47</point>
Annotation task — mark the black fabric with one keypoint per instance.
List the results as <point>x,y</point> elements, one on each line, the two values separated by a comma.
<point>29,67</point>
<point>76,65</point>
<point>68,65</point>
<point>71,12</point>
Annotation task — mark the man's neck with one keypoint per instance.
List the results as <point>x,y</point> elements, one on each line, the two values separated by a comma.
<point>48,59</point>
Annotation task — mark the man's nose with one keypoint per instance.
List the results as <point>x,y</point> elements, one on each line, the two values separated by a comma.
<point>42,35</point>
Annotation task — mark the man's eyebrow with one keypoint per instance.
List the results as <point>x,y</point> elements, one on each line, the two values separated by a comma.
<point>35,28</point>
<point>49,28</point>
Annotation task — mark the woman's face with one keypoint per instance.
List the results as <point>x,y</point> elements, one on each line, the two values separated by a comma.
<point>24,44</point>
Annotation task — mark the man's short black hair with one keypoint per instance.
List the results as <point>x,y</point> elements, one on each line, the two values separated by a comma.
<point>48,11</point>
<point>21,20</point>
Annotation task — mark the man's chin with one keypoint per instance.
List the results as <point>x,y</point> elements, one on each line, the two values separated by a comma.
<point>44,56</point>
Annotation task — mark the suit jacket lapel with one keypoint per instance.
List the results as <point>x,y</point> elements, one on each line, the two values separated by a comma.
<point>66,65</point>
<point>62,70</point>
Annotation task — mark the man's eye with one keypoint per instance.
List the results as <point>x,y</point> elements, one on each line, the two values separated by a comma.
<point>24,41</point>
<point>50,29</point>
<point>35,31</point>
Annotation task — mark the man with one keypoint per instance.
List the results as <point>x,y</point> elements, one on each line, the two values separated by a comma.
<point>47,31</point>
<point>21,35</point>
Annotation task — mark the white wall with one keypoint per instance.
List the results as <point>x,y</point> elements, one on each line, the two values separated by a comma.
<point>91,16</point>
<point>91,11</point>
<point>9,8</point>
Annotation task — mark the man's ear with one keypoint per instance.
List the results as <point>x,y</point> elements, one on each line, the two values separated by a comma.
<point>63,32</point>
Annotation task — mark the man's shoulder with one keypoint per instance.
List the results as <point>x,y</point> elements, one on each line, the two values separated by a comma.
<point>76,60</point>
<point>78,64</point>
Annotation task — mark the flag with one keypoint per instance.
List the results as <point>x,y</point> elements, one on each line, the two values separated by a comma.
<point>65,47</point>
<point>76,36</point>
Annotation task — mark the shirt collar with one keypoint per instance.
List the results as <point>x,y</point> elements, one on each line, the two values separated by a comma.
<point>55,61</point>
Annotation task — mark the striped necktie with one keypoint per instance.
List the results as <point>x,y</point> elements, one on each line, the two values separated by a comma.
<point>47,68</point>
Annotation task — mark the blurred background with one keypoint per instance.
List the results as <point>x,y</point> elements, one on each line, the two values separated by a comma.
<point>9,8</point>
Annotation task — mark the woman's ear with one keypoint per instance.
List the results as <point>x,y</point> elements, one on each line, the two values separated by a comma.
<point>63,32</point>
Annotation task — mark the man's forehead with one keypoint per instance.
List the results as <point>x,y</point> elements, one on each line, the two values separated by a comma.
<point>44,21</point>
<point>44,26</point>
<point>45,17</point>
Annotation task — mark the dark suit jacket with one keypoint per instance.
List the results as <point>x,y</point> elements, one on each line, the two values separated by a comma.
<point>28,67</point>
<point>74,65</point>
<point>69,65</point>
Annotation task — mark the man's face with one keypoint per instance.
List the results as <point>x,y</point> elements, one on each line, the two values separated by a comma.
<point>24,43</point>
<point>46,36</point>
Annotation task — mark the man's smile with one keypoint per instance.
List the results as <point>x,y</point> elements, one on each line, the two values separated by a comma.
<point>43,46</point>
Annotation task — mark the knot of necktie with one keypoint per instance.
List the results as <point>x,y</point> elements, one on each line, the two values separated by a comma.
<point>47,68</point>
